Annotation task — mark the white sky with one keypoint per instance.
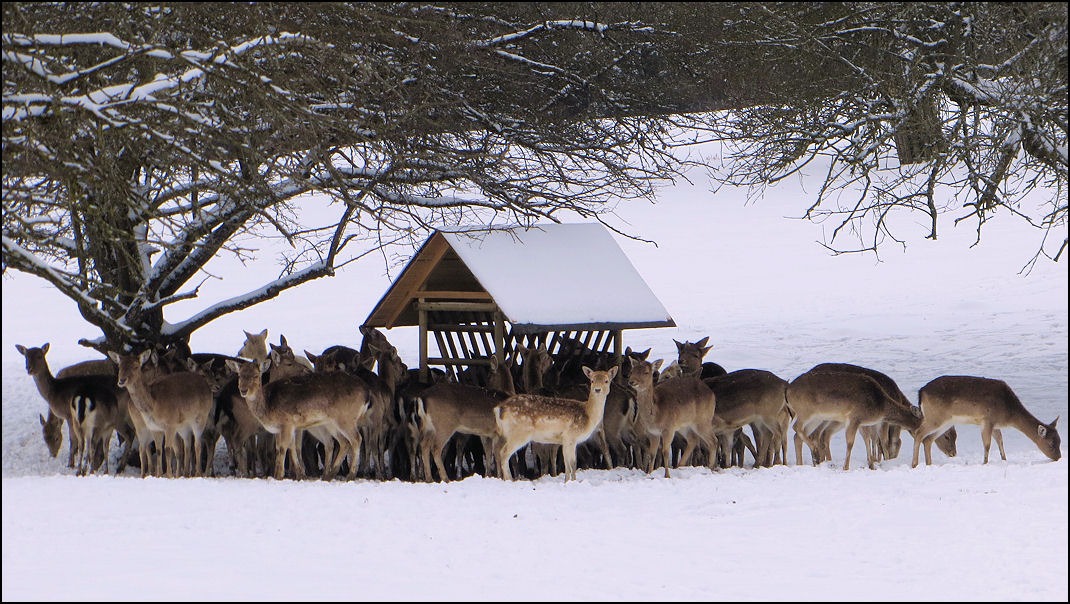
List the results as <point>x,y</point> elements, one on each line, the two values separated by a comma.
<point>768,295</point>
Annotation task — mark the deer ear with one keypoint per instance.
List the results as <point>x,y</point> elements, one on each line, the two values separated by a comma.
<point>44,348</point>
<point>587,371</point>
<point>1042,431</point>
<point>144,356</point>
<point>702,342</point>
<point>113,356</point>
<point>679,345</point>
<point>657,364</point>
<point>233,365</point>
<point>20,348</point>
<point>706,349</point>
<point>613,372</point>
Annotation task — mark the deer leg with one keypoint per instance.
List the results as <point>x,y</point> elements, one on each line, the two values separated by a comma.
<point>986,437</point>
<point>999,443</point>
<point>666,450</point>
<point>852,432</point>
<point>568,452</point>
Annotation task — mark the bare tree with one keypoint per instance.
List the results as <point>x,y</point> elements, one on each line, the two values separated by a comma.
<point>921,107</point>
<point>142,141</point>
<point>147,139</point>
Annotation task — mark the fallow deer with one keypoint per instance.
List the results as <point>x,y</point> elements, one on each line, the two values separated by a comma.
<point>752,397</point>
<point>690,356</point>
<point>524,418</point>
<point>683,405</point>
<point>884,438</point>
<point>449,408</point>
<point>846,399</point>
<point>176,406</point>
<point>255,346</point>
<point>58,393</point>
<point>335,401</point>
<point>95,415</point>
<point>989,403</point>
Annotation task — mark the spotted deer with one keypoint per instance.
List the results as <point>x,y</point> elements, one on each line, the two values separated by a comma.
<point>989,403</point>
<point>524,418</point>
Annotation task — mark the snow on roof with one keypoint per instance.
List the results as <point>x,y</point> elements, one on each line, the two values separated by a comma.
<point>560,275</point>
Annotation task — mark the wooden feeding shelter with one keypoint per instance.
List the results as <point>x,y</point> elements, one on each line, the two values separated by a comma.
<point>481,293</point>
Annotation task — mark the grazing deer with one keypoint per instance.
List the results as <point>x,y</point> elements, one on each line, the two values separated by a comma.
<point>690,359</point>
<point>176,407</point>
<point>846,399</point>
<point>682,405</point>
<point>335,402</point>
<point>989,403</point>
<point>524,418</point>
<point>58,393</point>
<point>752,397</point>
<point>885,437</point>
<point>52,431</point>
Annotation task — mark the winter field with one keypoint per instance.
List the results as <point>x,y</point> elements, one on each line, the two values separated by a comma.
<point>767,294</point>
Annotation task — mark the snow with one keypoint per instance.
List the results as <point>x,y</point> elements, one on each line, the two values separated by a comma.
<point>559,274</point>
<point>768,295</point>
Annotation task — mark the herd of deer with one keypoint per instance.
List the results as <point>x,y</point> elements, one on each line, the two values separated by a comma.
<point>364,413</point>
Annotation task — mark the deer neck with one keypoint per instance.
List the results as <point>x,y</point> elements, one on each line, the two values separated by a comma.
<point>46,386</point>
<point>596,406</point>
<point>1026,423</point>
<point>140,395</point>
<point>257,402</point>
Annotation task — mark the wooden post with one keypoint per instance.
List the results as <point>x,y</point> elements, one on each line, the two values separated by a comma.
<point>425,373</point>
<point>499,336</point>
<point>618,344</point>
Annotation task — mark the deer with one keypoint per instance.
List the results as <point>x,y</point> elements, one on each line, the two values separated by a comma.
<point>524,418</point>
<point>52,426</point>
<point>847,399</point>
<point>752,397</point>
<point>690,356</point>
<point>885,438</point>
<point>449,408</point>
<point>247,441</point>
<point>255,346</point>
<point>176,407</point>
<point>684,405</point>
<point>58,393</point>
<point>986,402</point>
<point>95,416</point>
<point>335,401</point>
